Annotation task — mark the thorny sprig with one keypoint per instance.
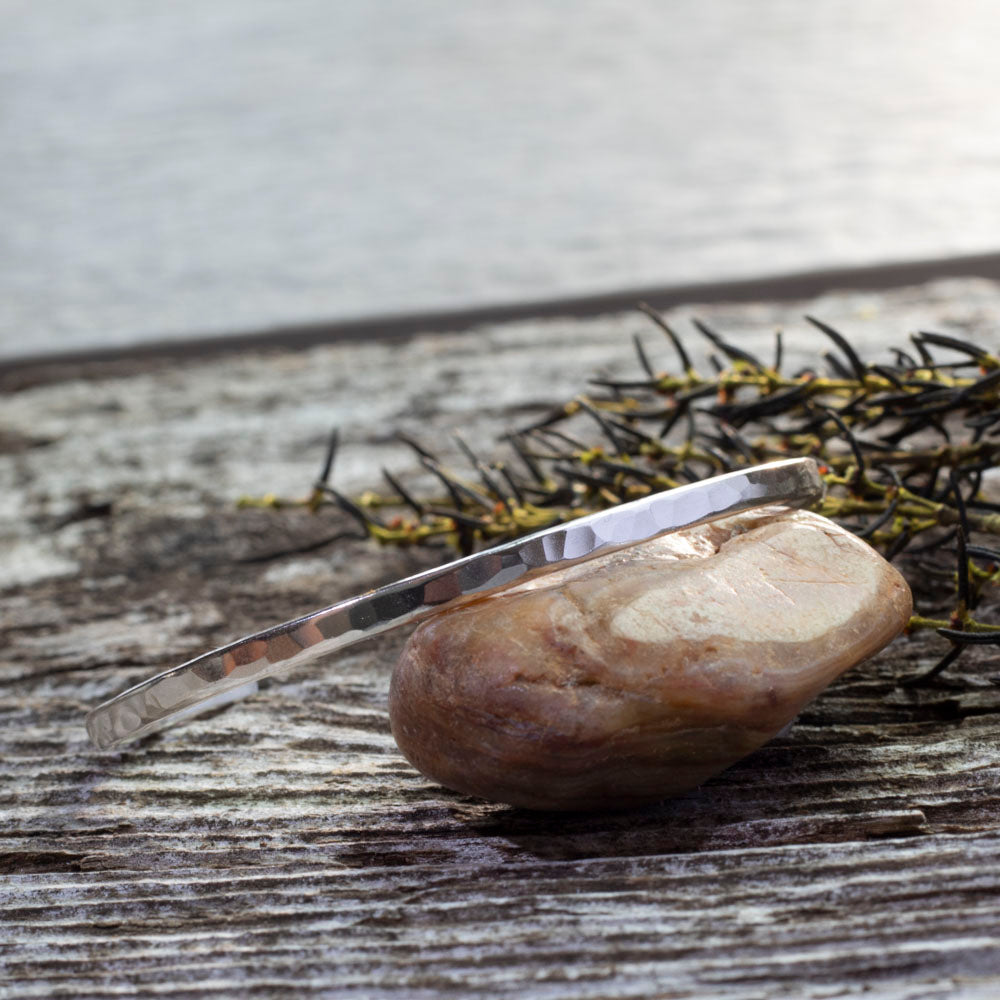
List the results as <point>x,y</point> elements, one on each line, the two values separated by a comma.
<point>903,447</point>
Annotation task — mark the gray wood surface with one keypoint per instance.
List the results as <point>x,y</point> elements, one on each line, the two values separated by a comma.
<point>283,847</point>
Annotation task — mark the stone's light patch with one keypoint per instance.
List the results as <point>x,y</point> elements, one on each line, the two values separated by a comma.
<point>637,676</point>
<point>803,577</point>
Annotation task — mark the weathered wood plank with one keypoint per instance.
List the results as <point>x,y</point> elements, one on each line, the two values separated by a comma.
<point>282,846</point>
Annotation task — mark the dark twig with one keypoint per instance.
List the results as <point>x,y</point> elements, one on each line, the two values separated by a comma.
<point>671,336</point>
<point>841,341</point>
<point>643,359</point>
<point>405,495</point>
<point>946,661</point>
<point>331,454</point>
<point>731,351</point>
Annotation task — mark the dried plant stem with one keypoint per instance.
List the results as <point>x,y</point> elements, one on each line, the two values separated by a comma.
<point>902,446</point>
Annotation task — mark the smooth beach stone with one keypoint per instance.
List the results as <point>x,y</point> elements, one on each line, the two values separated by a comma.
<point>639,675</point>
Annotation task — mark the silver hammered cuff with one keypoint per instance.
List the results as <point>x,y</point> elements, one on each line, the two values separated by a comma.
<point>233,671</point>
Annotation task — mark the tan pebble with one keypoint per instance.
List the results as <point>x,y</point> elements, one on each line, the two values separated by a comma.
<point>637,676</point>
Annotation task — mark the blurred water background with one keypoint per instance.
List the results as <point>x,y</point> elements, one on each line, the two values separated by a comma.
<point>170,170</point>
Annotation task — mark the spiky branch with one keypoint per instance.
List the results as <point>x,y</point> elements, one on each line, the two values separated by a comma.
<point>903,448</point>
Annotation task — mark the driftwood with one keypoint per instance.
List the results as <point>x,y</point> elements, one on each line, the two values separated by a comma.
<point>283,847</point>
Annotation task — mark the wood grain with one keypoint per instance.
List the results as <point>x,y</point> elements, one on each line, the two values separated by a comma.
<point>283,847</point>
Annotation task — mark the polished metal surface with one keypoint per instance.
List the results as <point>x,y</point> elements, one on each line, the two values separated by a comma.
<point>232,671</point>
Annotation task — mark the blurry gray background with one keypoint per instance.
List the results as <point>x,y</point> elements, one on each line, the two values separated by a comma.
<point>186,168</point>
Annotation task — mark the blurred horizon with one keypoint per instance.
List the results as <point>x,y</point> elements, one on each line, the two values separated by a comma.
<point>180,170</point>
